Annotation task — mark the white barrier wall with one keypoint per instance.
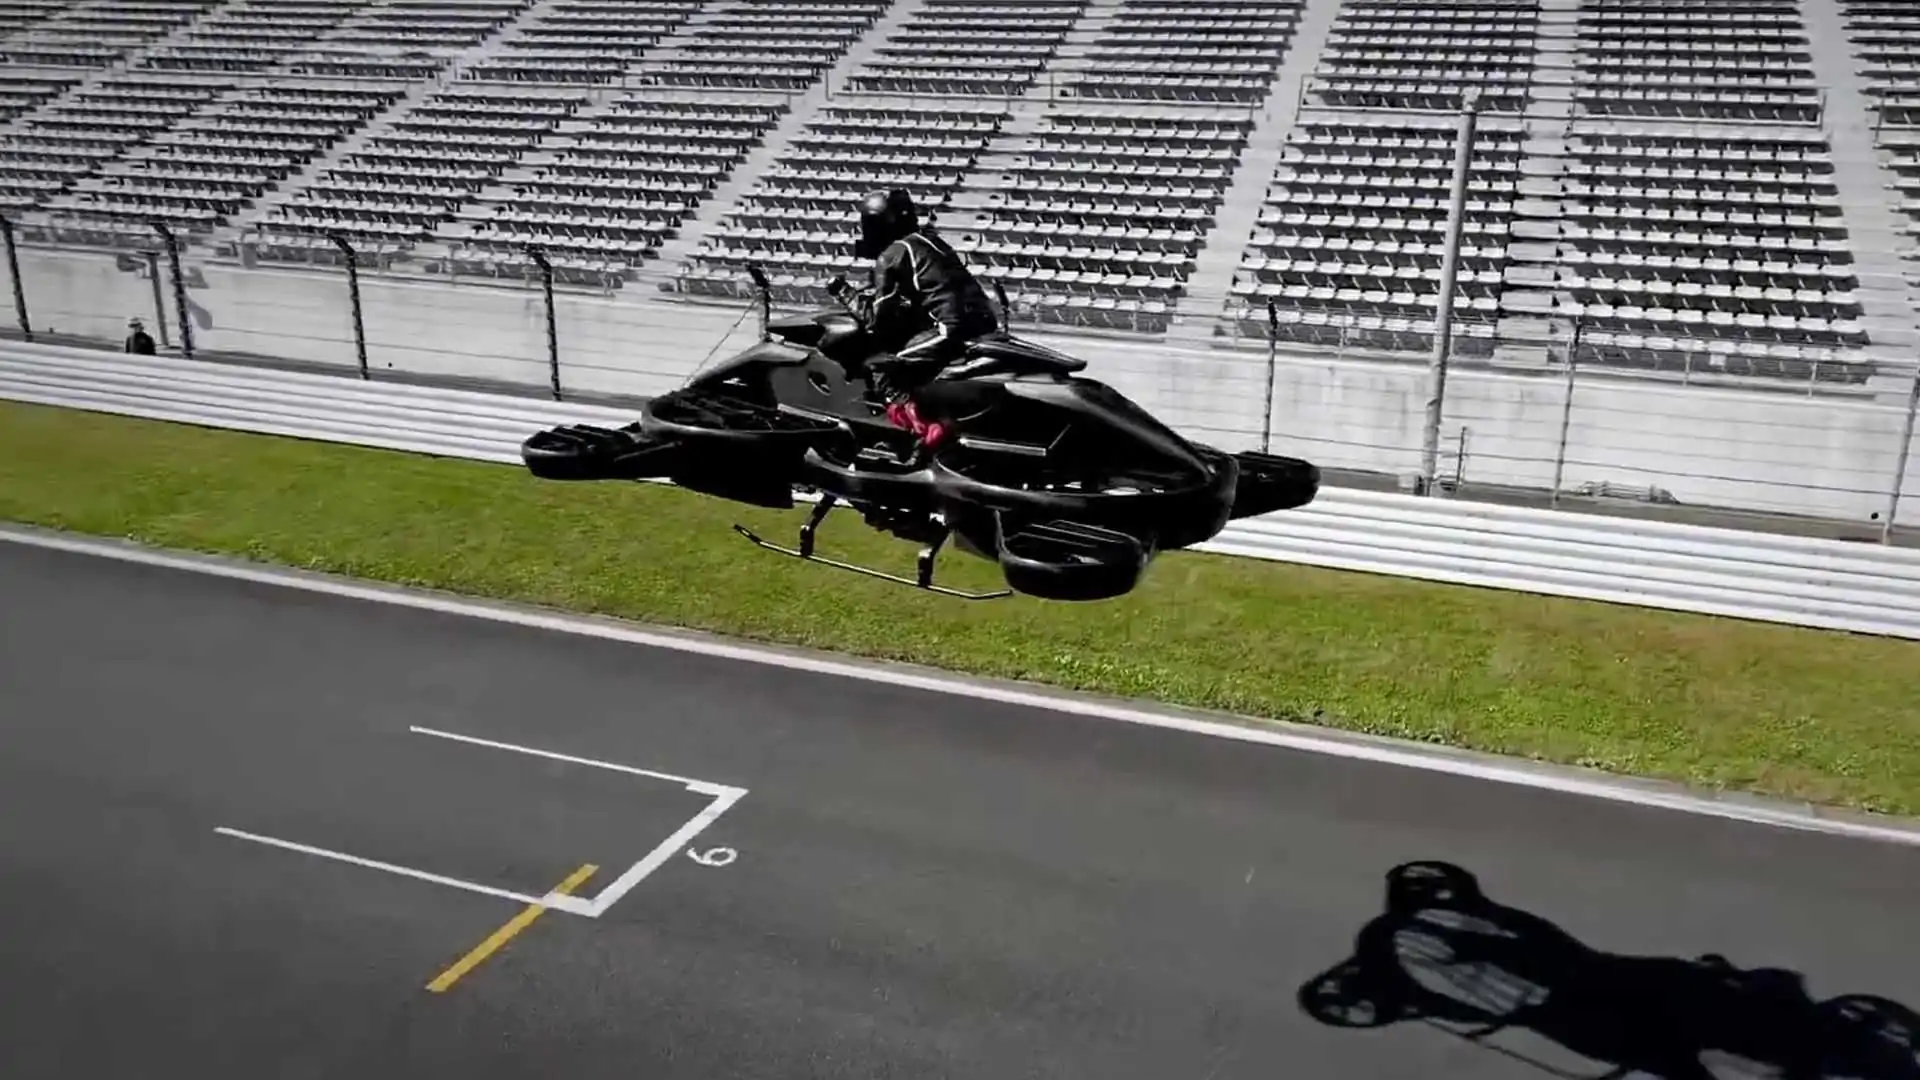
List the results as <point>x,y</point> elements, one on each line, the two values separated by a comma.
<point>1808,582</point>
<point>617,344</point>
<point>1773,452</point>
<point>1718,447</point>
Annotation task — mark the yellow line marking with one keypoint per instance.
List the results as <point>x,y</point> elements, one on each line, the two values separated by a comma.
<point>506,933</point>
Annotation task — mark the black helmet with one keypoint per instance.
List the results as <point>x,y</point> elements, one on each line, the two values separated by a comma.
<point>885,216</point>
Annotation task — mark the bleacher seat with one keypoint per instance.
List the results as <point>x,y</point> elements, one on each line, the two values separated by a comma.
<point>26,92</point>
<point>426,24</point>
<point>1671,185</point>
<point>799,223</point>
<point>1349,242</point>
<point>969,48</point>
<point>251,35</point>
<point>73,138</point>
<point>1703,60</point>
<point>583,41</point>
<point>18,15</point>
<point>752,46</point>
<point>1885,35</point>
<point>1098,221</point>
<point>606,191</point>
<point>1422,55</point>
<point>1694,251</point>
<point>408,40</point>
<point>213,164</point>
<point>96,34</point>
<point>1188,50</point>
<point>1886,46</point>
<point>408,179</point>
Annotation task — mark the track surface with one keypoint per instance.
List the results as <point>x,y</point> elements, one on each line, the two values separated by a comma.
<point>924,886</point>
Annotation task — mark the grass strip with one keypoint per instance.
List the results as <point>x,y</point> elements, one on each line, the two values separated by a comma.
<point>1828,717</point>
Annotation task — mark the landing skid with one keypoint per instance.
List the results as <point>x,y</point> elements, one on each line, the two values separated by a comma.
<point>922,580</point>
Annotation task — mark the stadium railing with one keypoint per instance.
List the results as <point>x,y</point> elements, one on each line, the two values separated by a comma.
<point>1537,412</point>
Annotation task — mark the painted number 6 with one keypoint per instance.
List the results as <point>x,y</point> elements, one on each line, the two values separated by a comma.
<point>719,856</point>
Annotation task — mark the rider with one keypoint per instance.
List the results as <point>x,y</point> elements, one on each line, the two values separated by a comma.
<point>922,307</point>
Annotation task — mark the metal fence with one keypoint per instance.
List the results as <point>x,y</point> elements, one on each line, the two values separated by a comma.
<point>1536,411</point>
<point>1795,580</point>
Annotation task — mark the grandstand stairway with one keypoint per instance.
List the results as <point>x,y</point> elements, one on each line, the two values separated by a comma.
<point>369,20</point>
<point>86,82</point>
<point>179,35</point>
<point>465,244</point>
<point>91,78</point>
<point>629,176</point>
<point>1025,120</point>
<point>1876,230</point>
<point>1529,299</point>
<point>1703,184</point>
<point>1557,41</point>
<point>694,231</point>
<point>969,207</point>
<point>1074,54</point>
<point>1217,262</point>
<point>493,45</point>
<point>681,45</point>
<point>1097,201</point>
<point>923,98</point>
<point>233,240</point>
<point>546,149</point>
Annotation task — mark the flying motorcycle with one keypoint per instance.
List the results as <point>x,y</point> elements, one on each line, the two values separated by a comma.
<point>1064,482</point>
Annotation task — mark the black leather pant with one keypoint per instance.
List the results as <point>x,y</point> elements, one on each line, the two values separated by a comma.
<point>914,364</point>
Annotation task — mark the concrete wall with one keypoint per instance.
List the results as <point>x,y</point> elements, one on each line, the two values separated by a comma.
<point>614,344</point>
<point>1760,451</point>
<point>1713,447</point>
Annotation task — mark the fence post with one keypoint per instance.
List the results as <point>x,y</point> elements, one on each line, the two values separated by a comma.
<point>353,301</point>
<point>1273,356</point>
<point>1900,470</point>
<point>1449,275</point>
<point>179,289</point>
<point>763,303</point>
<point>159,301</point>
<point>553,340</point>
<point>19,287</point>
<point>1566,413</point>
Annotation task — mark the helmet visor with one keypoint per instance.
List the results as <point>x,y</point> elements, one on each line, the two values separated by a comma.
<point>876,232</point>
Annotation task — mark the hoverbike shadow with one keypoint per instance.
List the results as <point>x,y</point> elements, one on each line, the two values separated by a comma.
<point>1446,954</point>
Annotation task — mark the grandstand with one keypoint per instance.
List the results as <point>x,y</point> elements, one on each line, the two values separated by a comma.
<point>1726,185</point>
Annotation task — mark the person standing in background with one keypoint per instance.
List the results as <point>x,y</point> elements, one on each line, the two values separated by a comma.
<point>138,340</point>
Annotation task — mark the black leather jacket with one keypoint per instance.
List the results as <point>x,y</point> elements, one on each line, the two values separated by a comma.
<point>919,283</point>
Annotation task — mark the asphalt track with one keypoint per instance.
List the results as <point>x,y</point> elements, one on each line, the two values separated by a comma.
<point>921,885</point>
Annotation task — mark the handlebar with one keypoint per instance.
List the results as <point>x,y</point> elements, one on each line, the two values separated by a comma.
<point>765,287</point>
<point>840,299</point>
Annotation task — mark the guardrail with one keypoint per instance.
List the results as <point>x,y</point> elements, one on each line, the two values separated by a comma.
<point>1801,581</point>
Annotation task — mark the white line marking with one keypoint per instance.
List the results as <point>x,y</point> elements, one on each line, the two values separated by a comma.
<point>656,858</point>
<point>1378,751</point>
<point>699,787</point>
<point>723,795</point>
<point>551,900</point>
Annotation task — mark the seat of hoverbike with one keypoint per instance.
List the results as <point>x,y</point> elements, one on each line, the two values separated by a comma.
<point>1002,354</point>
